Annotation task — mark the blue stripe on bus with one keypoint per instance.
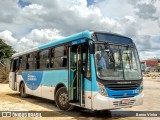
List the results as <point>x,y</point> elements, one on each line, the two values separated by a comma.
<point>50,78</point>
<point>87,84</point>
<point>122,93</point>
<point>53,77</point>
<point>34,79</point>
<point>93,75</point>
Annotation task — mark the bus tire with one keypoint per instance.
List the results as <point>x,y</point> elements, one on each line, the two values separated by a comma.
<point>61,99</point>
<point>23,90</point>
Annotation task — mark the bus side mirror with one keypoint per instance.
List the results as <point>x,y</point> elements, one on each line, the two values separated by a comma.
<point>91,48</point>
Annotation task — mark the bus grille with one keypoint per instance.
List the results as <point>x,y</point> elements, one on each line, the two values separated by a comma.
<point>122,86</point>
<point>122,96</point>
<point>119,103</point>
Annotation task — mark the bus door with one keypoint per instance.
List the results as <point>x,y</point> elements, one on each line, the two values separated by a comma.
<point>77,56</point>
<point>13,73</point>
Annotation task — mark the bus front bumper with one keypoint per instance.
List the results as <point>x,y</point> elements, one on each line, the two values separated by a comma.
<point>102,103</point>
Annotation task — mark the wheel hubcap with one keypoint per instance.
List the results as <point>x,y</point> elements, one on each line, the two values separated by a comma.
<point>63,98</point>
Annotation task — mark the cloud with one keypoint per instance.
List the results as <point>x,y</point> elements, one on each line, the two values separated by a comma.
<point>7,36</point>
<point>8,13</point>
<point>69,17</point>
<point>37,37</point>
<point>33,39</point>
<point>151,54</point>
<point>130,26</point>
<point>148,46</point>
<point>146,11</point>
<point>30,25</point>
<point>125,16</point>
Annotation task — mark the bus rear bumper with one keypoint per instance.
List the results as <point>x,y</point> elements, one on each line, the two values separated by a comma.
<point>103,103</point>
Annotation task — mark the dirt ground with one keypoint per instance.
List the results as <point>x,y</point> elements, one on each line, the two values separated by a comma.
<point>11,101</point>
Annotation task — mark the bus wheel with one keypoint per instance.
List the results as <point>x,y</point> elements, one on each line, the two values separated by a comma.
<point>61,99</point>
<point>23,91</point>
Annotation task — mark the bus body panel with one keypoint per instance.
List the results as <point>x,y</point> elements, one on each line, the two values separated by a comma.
<point>12,81</point>
<point>19,79</point>
<point>122,93</point>
<point>48,92</point>
<point>51,79</point>
<point>28,90</point>
<point>88,93</point>
<point>43,83</point>
<point>94,80</point>
<point>93,74</point>
<point>103,103</point>
<point>48,82</point>
<point>38,91</point>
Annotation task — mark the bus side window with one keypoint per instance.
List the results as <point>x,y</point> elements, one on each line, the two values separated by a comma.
<point>65,56</point>
<point>52,57</point>
<point>20,63</point>
<point>15,63</point>
<point>37,60</point>
<point>59,56</point>
<point>31,61</point>
<point>59,51</point>
<point>23,63</point>
<point>27,64</point>
<point>44,59</point>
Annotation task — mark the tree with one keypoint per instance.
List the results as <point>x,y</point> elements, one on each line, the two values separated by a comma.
<point>6,51</point>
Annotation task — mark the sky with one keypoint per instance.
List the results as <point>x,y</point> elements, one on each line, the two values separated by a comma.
<point>25,24</point>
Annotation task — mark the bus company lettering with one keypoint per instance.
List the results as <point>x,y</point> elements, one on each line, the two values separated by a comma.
<point>31,77</point>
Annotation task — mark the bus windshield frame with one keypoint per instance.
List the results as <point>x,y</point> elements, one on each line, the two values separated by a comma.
<point>120,61</point>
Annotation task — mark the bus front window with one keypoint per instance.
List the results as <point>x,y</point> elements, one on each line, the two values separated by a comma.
<point>115,62</point>
<point>131,63</point>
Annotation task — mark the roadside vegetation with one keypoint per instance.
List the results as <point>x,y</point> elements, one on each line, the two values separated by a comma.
<point>6,51</point>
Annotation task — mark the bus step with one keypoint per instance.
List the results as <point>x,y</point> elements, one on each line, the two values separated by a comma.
<point>77,104</point>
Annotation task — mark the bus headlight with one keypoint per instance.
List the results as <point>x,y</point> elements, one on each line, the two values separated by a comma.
<point>141,87</point>
<point>102,90</point>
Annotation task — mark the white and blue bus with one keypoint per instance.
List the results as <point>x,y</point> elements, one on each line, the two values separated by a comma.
<point>93,70</point>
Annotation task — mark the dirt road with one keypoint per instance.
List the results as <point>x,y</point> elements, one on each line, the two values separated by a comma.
<point>11,101</point>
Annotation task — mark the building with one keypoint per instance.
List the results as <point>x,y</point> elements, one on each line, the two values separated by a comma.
<point>150,65</point>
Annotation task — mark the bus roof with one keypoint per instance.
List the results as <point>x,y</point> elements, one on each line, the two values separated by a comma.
<point>84,34</point>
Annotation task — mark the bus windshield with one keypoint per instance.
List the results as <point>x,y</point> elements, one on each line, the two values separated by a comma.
<point>116,62</point>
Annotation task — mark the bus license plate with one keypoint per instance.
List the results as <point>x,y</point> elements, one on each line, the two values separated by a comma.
<point>125,101</point>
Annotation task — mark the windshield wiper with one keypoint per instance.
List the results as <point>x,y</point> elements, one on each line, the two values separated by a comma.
<point>128,56</point>
<point>110,53</point>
